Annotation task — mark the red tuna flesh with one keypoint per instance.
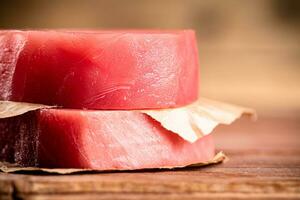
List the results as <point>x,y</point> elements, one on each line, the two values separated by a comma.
<point>97,140</point>
<point>99,69</point>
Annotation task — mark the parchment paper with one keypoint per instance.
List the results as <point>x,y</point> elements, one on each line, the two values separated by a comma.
<point>190,122</point>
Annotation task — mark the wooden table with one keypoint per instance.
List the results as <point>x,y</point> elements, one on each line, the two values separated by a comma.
<point>264,164</point>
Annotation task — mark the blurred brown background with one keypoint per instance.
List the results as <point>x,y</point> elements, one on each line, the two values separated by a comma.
<point>249,50</point>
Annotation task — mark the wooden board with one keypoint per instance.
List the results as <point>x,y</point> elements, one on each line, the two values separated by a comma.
<point>264,164</point>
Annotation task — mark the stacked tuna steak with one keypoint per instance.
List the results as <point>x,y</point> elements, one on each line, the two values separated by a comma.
<point>99,80</point>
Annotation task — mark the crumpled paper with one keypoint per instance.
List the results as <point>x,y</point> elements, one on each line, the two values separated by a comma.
<point>193,121</point>
<point>11,108</point>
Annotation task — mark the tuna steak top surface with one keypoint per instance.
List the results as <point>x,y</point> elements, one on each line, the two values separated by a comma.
<point>99,69</point>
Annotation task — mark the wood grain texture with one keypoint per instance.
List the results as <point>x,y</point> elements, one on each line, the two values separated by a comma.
<point>264,164</point>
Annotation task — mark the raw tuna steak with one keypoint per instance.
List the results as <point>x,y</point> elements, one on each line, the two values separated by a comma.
<point>97,140</point>
<point>99,69</point>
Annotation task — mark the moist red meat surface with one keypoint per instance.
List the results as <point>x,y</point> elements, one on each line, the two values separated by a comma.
<point>101,140</point>
<point>99,69</point>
